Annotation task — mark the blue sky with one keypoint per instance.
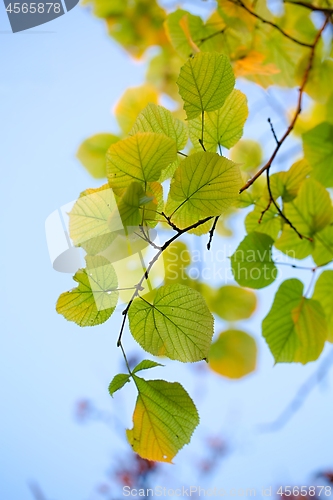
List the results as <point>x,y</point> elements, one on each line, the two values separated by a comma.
<point>58,84</point>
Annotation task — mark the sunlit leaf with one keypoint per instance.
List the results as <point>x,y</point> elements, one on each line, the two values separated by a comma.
<point>177,324</point>
<point>295,328</point>
<point>94,299</point>
<point>163,421</point>
<point>222,127</point>
<point>132,102</point>
<point>141,158</point>
<point>318,150</point>
<point>248,154</point>
<point>146,364</point>
<point>233,354</point>
<point>204,184</point>
<point>92,153</point>
<point>205,81</point>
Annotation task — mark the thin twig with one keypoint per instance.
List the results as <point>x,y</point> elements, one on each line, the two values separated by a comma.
<point>212,231</point>
<point>139,287</point>
<point>183,154</point>
<point>297,112</point>
<point>273,131</point>
<point>325,10</point>
<point>270,23</point>
<point>301,396</point>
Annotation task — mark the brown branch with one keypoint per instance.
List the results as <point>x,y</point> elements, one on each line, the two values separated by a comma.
<point>270,23</point>
<point>211,232</point>
<point>297,112</point>
<point>325,10</point>
<point>139,287</point>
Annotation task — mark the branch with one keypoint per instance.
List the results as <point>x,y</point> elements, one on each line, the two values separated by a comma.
<point>300,396</point>
<point>145,276</point>
<point>297,112</point>
<point>211,232</point>
<point>270,23</point>
<point>309,6</point>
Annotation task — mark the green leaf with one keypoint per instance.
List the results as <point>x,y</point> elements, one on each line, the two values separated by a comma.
<point>287,184</point>
<point>233,355</point>
<point>177,325</point>
<point>163,421</point>
<point>132,102</point>
<point>323,246</point>
<point>263,220</point>
<point>323,293</point>
<point>96,296</point>
<point>176,258</point>
<point>161,121</point>
<point>248,154</point>
<point>233,303</point>
<point>118,382</point>
<point>295,328</point>
<point>140,158</point>
<point>222,127</point>
<point>205,81</point>
<point>252,264</point>
<point>310,212</point>
<point>145,365</point>
<point>318,150</point>
<point>92,153</point>
<point>89,217</point>
<point>204,184</point>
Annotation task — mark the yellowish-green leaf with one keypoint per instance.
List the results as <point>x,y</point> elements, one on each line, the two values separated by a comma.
<point>177,324</point>
<point>176,259</point>
<point>287,184</point>
<point>146,364</point>
<point>248,154</point>
<point>92,153</point>
<point>132,102</point>
<point>310,212</point>
<point>318,150</point>
<point>233,355</point>
<point>252,263</point>
<point>140,158</point>
<point>323,293</point>
<point>163,421</point>
<point>205,81</point>
<point>233,303</point>
<point>322,252</point>
<point>118,382</point>
<point>222,127</point>
<point>204,184</point>
<point>263,220</point>
<point>161,121</point>
<point>295,328</point>
<point>94,299</point>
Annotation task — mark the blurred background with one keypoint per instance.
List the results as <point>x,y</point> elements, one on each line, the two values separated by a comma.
<point>62,436</point>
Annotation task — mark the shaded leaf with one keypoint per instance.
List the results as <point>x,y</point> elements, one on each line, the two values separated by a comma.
<point>252,264</point>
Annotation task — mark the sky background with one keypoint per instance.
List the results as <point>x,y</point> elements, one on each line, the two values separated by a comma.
<point>59,83</point>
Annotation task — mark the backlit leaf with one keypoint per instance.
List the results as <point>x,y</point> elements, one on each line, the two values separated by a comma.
<point>295,328</point>
<point>318,150</point>
<point>92,153</point>
<point>163,421</point>
<point>205,81</point>
<point>233,303</point>
<point>323,293</point>
<point>146,364</point>
<point>204,184</point>
<point>177,324</point>
<point>132,102</point>
<point>118,382</point>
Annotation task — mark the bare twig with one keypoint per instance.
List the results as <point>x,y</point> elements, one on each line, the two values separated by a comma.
<point>139,287</point>
<point>270,23</point>
<point>296,114</point>
<point>211,232</point>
